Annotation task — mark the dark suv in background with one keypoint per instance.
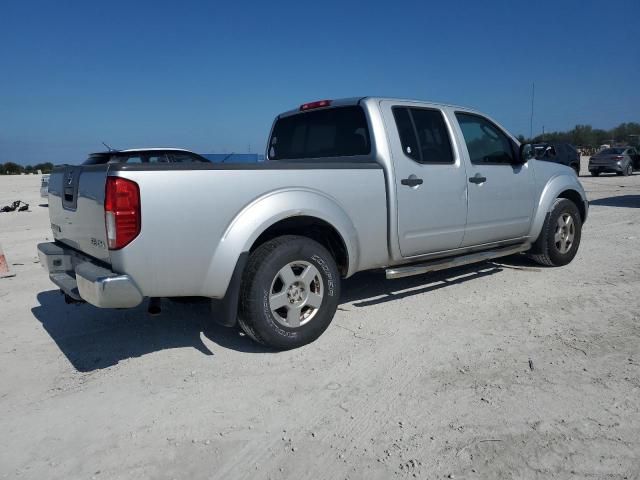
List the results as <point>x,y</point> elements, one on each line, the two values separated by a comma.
<point>563,153</point>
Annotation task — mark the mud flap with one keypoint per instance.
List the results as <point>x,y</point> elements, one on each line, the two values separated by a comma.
<point>225,310</point>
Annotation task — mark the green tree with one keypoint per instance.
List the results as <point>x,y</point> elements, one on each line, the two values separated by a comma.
<point>44,167</point>
<point>11,168</point>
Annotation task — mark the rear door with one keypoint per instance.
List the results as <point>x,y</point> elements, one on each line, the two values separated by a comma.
<point>501,194</point>
<point>430,179</point>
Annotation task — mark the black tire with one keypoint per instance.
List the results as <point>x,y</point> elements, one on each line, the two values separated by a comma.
<point>628,170</point>
<point>595,173</point>
<point>545,250</point>
<point>262,274</point>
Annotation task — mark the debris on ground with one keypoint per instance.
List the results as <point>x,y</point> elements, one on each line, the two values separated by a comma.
<point>15,206</point>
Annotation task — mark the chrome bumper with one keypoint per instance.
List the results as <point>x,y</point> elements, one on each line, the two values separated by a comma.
<point>83,279</point>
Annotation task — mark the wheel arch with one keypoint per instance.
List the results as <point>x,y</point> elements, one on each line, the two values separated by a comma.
<point>560,186</point>
<point>313,228</point>
<point>300,211</point>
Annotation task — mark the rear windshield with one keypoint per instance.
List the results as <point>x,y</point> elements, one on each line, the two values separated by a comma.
<point>333,132</point>
<point>612,151</point>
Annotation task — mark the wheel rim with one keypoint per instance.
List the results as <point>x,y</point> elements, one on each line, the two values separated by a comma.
<point>565,233</point>
<point>296,294</point>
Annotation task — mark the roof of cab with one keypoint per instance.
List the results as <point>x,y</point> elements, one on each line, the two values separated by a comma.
<point>341,102</point>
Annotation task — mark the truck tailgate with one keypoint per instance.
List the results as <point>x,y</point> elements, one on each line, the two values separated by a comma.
<point>76,208</point>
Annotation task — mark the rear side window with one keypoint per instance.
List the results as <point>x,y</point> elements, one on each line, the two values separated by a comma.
<point>423,135</point>
<point>333,132</point>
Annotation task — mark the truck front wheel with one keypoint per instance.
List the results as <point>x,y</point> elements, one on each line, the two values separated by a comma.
<point>560,236</point>
<point>289,293</point>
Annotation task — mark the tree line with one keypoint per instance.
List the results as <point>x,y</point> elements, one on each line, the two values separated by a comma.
<point>586,136</point>
<point>11,168</point>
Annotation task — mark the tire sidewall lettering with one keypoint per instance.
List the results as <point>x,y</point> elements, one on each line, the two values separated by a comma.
<point>327,273</point>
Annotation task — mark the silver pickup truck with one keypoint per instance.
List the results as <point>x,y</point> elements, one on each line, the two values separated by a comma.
<point>347,185</point>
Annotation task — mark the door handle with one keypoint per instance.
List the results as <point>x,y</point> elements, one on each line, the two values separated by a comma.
<point>412,181</point>
<point>477,178</point>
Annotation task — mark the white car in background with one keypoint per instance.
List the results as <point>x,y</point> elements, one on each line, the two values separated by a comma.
<point>44,186</point>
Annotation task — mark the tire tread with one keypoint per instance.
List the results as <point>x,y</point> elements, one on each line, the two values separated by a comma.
<point>539,252</point>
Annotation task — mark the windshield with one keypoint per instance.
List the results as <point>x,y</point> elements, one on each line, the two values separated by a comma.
<point>332,132</point>
<point>612,151</point>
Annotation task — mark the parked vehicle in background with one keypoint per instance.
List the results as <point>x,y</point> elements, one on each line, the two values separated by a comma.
<point>619,160</point>
<point>44,186</point>
<point>563,153</point>
<point>145,155</point>
<point>347,185</point>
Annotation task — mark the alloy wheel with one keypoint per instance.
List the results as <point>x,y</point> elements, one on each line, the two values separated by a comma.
<point>296,294</point>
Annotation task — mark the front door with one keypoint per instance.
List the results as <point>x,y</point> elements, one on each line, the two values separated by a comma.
<point>501,194</point>
<point>430,179</point>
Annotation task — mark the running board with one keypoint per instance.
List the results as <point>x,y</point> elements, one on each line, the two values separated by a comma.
<point>450,262</point>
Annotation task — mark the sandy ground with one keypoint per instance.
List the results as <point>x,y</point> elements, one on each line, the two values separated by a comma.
<point>501,370</point>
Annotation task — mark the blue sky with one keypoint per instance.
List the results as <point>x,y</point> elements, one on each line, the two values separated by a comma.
<point>210,76</point>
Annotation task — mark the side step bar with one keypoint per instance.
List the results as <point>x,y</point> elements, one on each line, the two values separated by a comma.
<point>450,262</point>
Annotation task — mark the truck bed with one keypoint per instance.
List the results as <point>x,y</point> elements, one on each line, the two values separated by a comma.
<point>189,210</point>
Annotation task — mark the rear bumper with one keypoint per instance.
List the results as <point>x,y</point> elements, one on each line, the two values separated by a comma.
<point>608,167</point>
<point>84,279</point>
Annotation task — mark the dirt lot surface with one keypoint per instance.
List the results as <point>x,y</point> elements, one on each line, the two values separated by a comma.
<point>500,370</point>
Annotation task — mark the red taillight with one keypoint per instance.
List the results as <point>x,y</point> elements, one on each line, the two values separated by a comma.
<point>318,104</point>
<point>121,211</point>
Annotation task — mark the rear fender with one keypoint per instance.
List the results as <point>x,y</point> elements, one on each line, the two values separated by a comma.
<point>264,212</point>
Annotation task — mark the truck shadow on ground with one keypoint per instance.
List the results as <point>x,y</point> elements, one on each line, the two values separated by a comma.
<point>628,201</point>
<point>93,339</point>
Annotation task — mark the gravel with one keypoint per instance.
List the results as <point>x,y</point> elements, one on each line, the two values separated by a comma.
<point>499,370</point>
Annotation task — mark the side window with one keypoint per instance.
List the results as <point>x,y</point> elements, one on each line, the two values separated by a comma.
<point>423,135</point>
<point>433,136</point>
<point>182,157</point>
<point>485,142</point>
<point>157,158</point>
<point>407,133</point>
<point>133,159</point>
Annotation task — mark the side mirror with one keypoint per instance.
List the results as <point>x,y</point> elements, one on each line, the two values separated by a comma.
<point>526,153</point>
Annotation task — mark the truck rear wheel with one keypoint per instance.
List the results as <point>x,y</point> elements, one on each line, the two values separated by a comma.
<point>559,239</point>
<point>289,293</point>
